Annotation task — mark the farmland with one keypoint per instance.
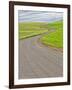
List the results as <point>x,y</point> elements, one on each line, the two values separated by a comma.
<point>55,38</point>
<point>31,29</point>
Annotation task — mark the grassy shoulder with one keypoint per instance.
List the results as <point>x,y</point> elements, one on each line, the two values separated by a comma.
<point>54,38</point>
<point>27,34</point>
<point>30,29</point>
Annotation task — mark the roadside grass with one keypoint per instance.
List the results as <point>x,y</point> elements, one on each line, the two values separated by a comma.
<point>27,34</point>
<point>54,38</point>
<point>30,29</point>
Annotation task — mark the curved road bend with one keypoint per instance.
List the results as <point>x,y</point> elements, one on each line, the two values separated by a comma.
<point>38,61</point>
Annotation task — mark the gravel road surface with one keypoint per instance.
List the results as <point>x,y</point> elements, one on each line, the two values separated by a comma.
<point>38,61</point>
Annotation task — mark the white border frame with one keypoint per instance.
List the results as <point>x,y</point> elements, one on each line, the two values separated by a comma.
<point>40,80</point>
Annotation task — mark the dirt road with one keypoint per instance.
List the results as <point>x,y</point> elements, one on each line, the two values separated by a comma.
<point>38,61</point>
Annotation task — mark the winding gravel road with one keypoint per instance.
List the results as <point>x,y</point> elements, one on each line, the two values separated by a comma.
<point>39,61</point>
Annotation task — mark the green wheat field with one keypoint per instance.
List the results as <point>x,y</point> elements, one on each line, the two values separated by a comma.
<point>31,29</point>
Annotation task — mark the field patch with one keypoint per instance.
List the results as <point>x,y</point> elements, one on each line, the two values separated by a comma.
<point>30,29</point>
<point>54,38</point>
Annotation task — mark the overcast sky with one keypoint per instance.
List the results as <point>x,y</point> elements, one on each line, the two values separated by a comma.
<point>39,16</point>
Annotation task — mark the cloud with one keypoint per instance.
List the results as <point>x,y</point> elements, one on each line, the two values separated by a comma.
<point>39,16</point>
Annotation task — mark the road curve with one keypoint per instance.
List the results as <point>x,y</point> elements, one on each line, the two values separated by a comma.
<point>38,61</point>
